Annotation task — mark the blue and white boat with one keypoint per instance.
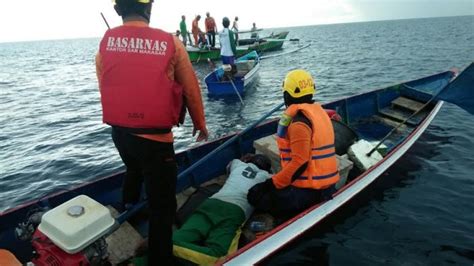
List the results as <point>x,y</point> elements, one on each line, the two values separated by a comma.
<point>370,115</point>
<point>224,83</point>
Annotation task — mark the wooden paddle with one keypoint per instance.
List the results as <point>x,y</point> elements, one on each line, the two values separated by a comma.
<point>288,52</point>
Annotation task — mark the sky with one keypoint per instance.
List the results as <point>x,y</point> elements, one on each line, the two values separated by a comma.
<point>24,20</point>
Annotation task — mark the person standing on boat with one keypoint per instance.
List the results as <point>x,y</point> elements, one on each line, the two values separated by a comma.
<point>226,39</point>
<point>184,30</point>
<point>235,28</point>
<point>209,232</point>
<point>146,84</point>
<point>211,29</point>
<point>197,32</point>
<point>305,138</point>
<point>254,31</point>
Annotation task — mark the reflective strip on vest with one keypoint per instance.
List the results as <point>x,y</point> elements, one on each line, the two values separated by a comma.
<point>319,177</point>
<point>324,147</point>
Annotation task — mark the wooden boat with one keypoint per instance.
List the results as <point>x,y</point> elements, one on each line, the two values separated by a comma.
<point>370,114</point>
<point>202,54</point>
<point>271,43</point>
<point>219,84</point>
<point>274,36</point>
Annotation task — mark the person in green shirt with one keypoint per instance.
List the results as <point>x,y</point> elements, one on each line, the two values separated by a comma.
<point>184,30</point>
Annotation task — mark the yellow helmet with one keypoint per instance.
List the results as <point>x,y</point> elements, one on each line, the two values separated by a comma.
<point>299,83</point>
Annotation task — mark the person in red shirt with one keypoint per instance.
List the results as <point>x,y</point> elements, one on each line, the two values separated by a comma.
<point>146,83</point>
<point>197,32</point>
<point>211,29</point>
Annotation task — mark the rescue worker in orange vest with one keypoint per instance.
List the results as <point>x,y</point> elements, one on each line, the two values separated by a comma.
<point>146,84</point>
<point>305,138</point>
<point>197,32</point>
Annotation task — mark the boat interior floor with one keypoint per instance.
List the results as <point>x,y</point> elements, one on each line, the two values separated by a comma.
<point>379,125</point>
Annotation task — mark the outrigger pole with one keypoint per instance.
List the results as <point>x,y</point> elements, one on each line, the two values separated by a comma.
<point>105,20</point>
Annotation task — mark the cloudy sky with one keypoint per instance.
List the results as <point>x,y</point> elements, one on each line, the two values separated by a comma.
<point>59,19</point>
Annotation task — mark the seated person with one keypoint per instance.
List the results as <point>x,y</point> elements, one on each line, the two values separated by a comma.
<point>212,231</point>
<point>305,139</point>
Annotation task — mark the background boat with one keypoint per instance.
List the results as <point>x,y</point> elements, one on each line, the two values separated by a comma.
<point>273,36</point>
<point>272,43</point>
<point>220,84</point>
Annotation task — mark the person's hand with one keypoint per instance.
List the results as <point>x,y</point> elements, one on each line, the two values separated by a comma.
<point>203,134</point>
<point>256,193</point>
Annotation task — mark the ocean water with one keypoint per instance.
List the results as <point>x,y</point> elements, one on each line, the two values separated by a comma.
<point>420,212</point>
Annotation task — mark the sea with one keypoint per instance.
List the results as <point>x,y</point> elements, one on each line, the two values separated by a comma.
<point>420,212</point>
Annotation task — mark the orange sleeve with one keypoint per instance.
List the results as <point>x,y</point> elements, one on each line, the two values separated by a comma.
<point>98,66</point>
<point>7,258</point>
<point>184,74</point>
<point>300,142</point>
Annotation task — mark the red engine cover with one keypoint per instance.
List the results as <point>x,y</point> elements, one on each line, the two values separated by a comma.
<point>48,254</point>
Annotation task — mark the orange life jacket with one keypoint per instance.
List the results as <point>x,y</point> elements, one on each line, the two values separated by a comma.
<point>136,92</point>
<point>322,170</point>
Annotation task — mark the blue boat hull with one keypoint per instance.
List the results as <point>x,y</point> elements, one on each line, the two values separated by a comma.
<point>355,111</point>
<point>217,85</point>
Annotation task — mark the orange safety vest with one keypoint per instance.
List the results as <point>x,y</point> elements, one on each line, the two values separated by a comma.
<point>322,170</point>
<point>136,92</point>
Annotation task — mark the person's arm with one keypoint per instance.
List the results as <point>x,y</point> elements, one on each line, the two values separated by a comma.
<point>184,75</point>
<point>98,66</point>
<point>232,42</point>
<point>300,137</point>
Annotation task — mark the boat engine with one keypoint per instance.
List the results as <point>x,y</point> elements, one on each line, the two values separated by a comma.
<point>46,253</point>
<point>72,234</point>
<point>25,230</point>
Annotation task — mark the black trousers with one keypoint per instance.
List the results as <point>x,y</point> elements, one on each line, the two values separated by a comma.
<point>289,201</point>
<point>211,36</point>
<point>152,163</point>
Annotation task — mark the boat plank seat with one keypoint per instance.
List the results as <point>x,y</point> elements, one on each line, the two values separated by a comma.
<point>399,115</point>
<point>240,73</point>
<point>390,122</point>
<point>407,104</point>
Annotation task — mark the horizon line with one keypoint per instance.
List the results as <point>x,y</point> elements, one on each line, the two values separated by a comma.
<point>293,26</point>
